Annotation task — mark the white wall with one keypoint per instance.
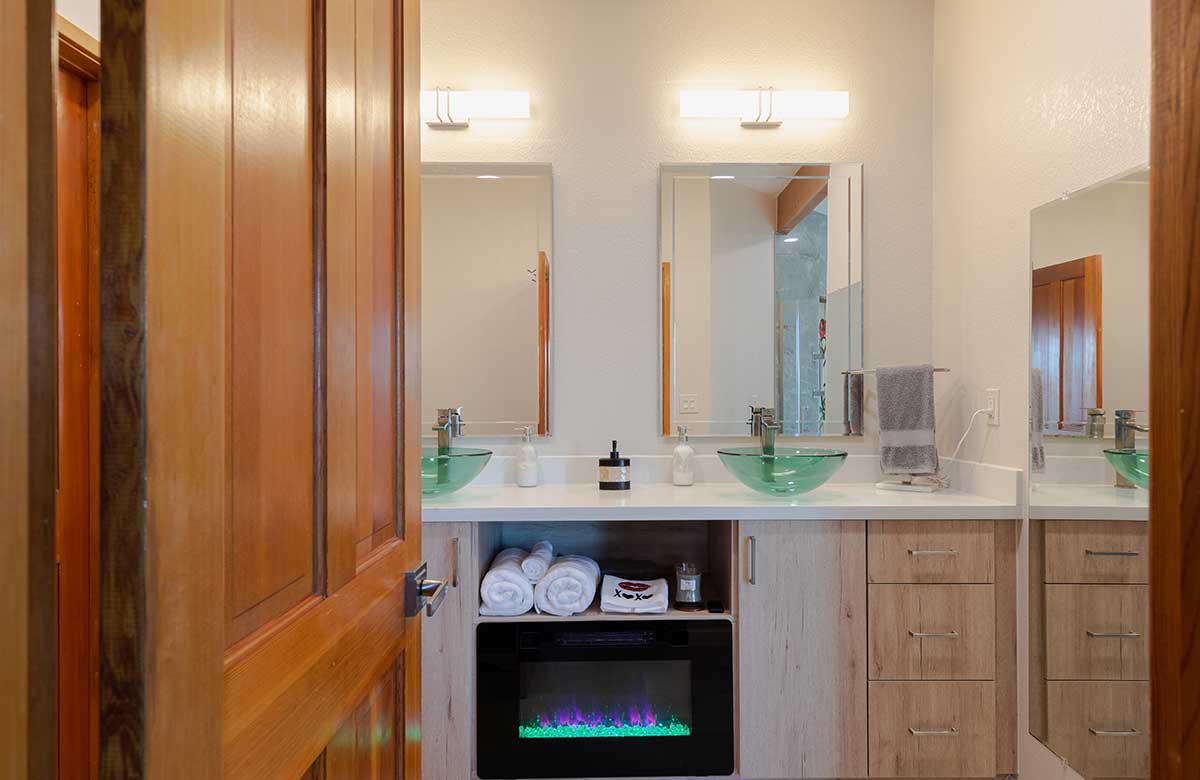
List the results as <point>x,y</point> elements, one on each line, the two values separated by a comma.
<point>84,14</point>
<point>1031,99</point>
<point>604,78</point>
<point>1112,221</point>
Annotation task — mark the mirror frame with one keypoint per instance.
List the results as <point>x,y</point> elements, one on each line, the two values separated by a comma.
<point>666,308</point>
<point>546,295</point>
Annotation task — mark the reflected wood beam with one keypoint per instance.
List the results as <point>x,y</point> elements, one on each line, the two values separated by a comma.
<point>800,197</point>
<point>666,348</point>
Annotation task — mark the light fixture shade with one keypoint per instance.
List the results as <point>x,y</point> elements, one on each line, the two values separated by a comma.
<point>465,105</point>
<point>750,104</point>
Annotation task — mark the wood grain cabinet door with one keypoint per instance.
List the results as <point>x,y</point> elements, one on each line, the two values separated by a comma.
<point>802,638</point>
<point>259,387</point>
<point>930,551</point>
<point>932,632</point>
<point>1097,632</point>
<point>933,729</point>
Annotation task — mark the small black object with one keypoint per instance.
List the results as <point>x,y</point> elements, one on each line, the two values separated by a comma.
<point>715,606</point>
<point>614,471</point>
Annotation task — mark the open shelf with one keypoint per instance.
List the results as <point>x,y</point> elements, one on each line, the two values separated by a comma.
<point>593,613</point>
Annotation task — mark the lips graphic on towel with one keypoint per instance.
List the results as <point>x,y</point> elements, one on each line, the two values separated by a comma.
<point>636,587</point>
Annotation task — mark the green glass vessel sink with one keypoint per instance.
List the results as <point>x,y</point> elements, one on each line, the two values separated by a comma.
<point>445,471</point>
<point>1134,465</point>
<point>786,473</point>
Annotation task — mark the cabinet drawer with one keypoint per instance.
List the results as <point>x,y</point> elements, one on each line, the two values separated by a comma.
<point>1101,551</point>
<point>1101,728</point>
<point>1097,632</point>
<point>932,729</point>
<point>931,632</point>
<point>930,551</point>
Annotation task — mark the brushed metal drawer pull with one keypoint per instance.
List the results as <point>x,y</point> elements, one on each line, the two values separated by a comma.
<point>933,552</point>
<point>454,562</point>
<point>752,575</point>
<point>933,733</point>
<point>928,634</point>
<point>1114,634</point>
<point>1113,553</point>
<point>1121,733</point>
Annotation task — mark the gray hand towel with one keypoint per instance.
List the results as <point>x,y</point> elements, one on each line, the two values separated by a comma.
<point>1037,417</point>
<point>855,404</point>
<point>906,420</point>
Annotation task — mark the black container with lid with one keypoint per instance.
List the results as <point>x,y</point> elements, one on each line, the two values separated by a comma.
<point>614,471</point>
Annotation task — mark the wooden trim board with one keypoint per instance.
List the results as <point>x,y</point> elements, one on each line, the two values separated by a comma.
<point>1175,389</point>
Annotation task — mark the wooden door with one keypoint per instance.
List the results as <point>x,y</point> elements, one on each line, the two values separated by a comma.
<point>260,473</point>
<point>77,508</point>
<point>1067,340</point>
<point>802,628</point>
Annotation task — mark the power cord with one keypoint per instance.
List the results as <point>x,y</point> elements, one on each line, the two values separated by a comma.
<point>941,480</point>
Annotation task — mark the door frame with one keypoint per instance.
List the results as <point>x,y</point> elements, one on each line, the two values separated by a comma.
<point>1174,391</point>
<point>29,394</point>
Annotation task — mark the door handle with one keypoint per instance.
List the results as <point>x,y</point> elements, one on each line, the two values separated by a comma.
<point>454,562</point>
<point>752,554</point>
<point>420,591</point>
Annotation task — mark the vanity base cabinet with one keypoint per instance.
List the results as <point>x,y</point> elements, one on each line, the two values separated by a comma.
<point>933,729</point>
<point>802,644</point>
<point>448,656</point>
<point>1101,728</point>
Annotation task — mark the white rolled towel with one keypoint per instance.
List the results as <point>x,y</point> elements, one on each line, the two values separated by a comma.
<point>568,587</point>
<point>505,589</point>
<point>538,560</point>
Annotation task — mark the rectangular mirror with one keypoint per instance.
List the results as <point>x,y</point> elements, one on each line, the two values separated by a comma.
<point>1091,297</point>
<point>486,254</point>
<point>760,268</point>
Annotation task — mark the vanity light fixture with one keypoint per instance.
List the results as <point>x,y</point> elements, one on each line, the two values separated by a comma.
<point>443,108</point>
<point>765,107</point>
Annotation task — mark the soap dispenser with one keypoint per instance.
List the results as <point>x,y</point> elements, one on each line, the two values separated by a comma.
<point>683,470</point>
<point>527,459</point>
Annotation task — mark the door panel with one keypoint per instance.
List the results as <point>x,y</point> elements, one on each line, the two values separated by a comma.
<point>1067,336</point>
<point>270,556</point>
<point>267,409</point>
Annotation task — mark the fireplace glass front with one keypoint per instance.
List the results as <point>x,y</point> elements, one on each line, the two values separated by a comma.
<point>605,699</point>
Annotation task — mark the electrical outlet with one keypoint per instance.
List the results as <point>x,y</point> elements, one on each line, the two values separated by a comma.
<point>688,403</point>
<point>991,402</point>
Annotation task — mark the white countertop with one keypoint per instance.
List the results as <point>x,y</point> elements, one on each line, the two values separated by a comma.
<point>707,501</point>
<point>1049,501</point>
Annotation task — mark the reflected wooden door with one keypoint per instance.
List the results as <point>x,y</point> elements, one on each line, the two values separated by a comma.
<point>260,473</point>
<point>1067,340</point>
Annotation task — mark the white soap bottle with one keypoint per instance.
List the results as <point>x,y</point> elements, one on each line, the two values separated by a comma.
<point>683,470</point>
<point>527,460</point>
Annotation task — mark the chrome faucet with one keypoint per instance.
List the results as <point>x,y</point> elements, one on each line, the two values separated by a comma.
<point>763,426</point>
<point>1127,430</point>
<point>449,426</point>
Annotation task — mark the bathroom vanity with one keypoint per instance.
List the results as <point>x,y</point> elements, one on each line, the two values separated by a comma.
<point>867,638</point>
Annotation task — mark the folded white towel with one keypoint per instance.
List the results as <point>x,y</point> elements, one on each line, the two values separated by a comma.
<point>538,560</point>
<point>639,597</point>
<point>568,587</point>
<point>505,589</point>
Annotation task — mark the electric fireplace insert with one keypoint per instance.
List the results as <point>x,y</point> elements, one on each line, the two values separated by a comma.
<point>604,699</point>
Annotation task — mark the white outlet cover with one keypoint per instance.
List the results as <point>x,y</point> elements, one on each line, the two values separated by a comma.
<point>991,401</point>
<point>689,403</point>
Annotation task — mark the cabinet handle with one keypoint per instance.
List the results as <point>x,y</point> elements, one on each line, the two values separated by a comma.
<point>928,634</point>
<point>1120,733</point>
<point>1113,553</point>
<point>454,562</point>
<point>752,554</point>
<point>952,732</point>
<point>933,552</point>
<point>1113,634</point>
